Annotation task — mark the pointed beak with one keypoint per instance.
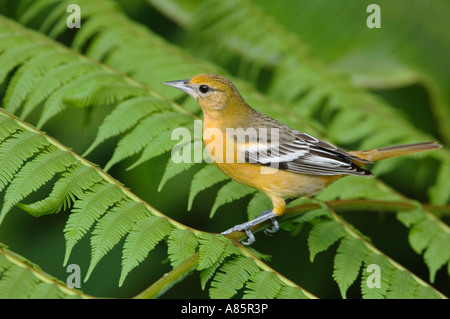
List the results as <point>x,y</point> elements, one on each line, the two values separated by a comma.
<point>183,85</point>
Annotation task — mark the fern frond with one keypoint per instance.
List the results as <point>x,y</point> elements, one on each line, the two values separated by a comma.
<point>347,262</point>
<point>95,88</point>
<point>87,210</point>
<point>16,282</point>
<point>154,129</point>
<point>173,169</point>
<point>182,244</point>
<point>7,127</point>
<point>428,235</point>
<point>369,289</point>
<point>207,273</point>
<point>65,191</point>
<point>16,50</point>
<point>93,192</point>
<point>29,75</point>
<point>230,192</point>
<point>323,235</point>
<point>34,174</point>
<point>125,116</point>
<point>16,150</point>
<point>232,276</point>
<point>142,238</point>
<point>263,285</point>
<point>21,279</point>
<point>206,177</point>
<point>211,248</point>
<point>355,249</point>
<point>117,222</point>
<point>290,292</point>
<point>69,80</point>
<point>158,146</point>
<point>53,80</point>
<point>402,286</point>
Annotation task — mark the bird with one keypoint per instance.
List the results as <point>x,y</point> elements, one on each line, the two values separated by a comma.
<point>261,152</point>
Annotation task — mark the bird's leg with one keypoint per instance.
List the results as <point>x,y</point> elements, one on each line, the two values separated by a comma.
<point>265,215</point>
<point>246,226</point>
<point>275,227</point>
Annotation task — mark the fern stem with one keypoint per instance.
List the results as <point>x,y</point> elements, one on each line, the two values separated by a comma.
<point>170,279</point>
<point>370,205</point>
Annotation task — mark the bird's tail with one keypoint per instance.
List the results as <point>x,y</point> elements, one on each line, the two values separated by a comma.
<point>392,151</point>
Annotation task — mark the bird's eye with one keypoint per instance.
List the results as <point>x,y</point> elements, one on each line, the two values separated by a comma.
<point>203,88</point>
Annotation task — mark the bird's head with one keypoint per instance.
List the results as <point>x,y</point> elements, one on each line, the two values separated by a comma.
<point>213,92</point>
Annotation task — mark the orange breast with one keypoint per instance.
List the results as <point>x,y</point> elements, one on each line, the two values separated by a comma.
<point>275,181</point>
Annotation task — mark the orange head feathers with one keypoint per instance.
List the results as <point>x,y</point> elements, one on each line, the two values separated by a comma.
<point>214,93</point>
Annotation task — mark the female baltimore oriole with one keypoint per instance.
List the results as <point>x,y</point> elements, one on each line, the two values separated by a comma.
<point>268,155</point>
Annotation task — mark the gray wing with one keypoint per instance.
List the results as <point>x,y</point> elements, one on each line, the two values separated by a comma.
<point>299,152</point>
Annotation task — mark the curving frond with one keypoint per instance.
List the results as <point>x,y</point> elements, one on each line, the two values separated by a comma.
<point>66,190</point>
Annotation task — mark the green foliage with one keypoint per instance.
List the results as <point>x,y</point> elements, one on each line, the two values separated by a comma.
<point>429,236</point>
<point>47,70</point>
<point>322,236</point>
<point>347,262</point>
<point>23,279</point>
<point>141,240</point>
<point>232,276</point>
<point>182,245</point>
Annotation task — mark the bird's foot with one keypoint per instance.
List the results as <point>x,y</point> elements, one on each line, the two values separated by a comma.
<point>264,216</point>
<point>275,227</point>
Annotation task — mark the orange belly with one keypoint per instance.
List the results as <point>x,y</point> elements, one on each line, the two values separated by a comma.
<point>275,181</point>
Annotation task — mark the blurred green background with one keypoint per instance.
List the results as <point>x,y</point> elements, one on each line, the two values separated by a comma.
<point>405,63</point>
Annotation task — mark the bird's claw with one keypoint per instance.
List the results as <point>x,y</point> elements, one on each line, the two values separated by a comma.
<point>272,230</point>
<point>250,238</point>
